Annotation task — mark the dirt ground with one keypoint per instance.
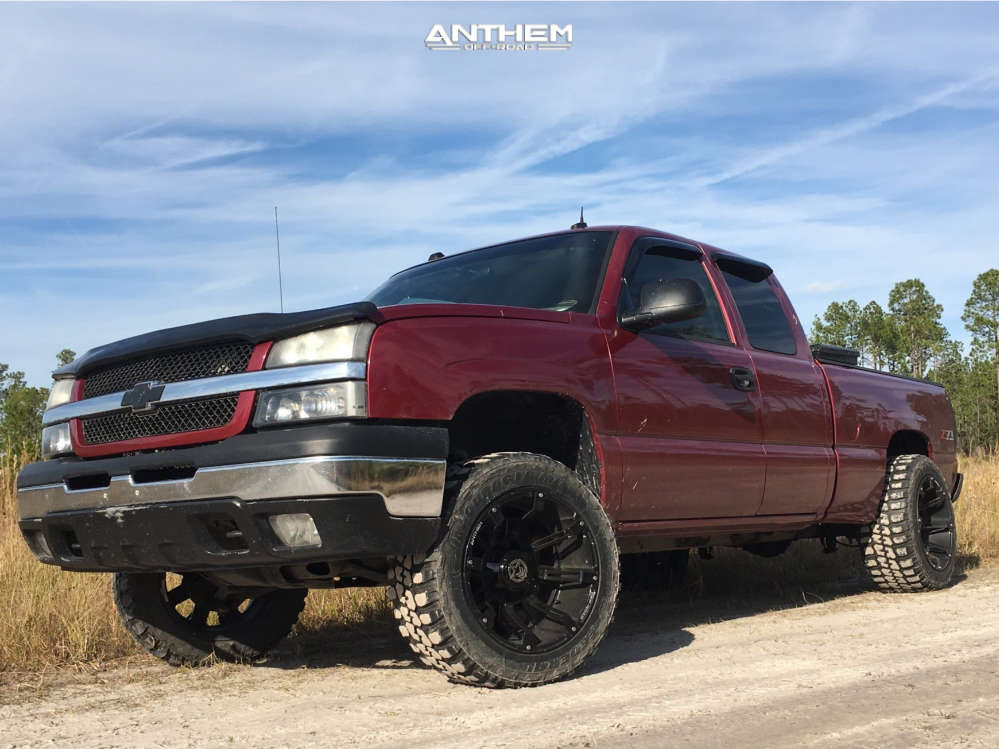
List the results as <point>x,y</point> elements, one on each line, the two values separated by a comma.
<point>857,669</point>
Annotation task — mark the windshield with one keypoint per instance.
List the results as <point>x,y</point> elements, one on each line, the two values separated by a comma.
<point>560,272</point>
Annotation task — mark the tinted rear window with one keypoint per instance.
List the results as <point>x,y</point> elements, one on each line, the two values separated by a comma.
<point>560,272</point>
<point>763,317</point>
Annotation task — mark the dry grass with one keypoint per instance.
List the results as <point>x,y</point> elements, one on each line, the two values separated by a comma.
<point>977,509</point>
<point>51,619</point>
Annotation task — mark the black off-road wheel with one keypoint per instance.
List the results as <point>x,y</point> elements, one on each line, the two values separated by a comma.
<point>913,543</point>
<point>186,619</point>
<point>523,585</point>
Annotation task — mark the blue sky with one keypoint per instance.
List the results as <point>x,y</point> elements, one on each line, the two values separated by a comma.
<point>143,148</point>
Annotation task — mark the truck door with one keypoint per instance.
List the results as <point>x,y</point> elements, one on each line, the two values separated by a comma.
<point>797,418</point>
<point>689,420</point>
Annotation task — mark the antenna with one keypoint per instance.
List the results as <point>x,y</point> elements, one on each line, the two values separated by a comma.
<point>277,240</point>
<point>581,224</point>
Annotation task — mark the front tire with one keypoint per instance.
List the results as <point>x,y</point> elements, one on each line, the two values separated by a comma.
<point>523,585</point>
<point>912,544</point>
<point>184,622</point>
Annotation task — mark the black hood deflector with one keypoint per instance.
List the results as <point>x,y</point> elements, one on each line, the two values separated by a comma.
<point>257,328</point>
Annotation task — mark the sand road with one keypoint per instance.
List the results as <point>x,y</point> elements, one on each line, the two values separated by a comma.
<point>862,669</point>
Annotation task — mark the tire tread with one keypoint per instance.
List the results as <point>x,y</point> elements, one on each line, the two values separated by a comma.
<point>414,588</point>
<point>890,544</point>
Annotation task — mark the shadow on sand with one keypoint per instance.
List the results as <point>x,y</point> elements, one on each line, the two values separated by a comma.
<point>649,622</point>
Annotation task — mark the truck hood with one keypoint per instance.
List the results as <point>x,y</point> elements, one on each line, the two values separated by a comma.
<point>439,309</point>
<point>256,328</point>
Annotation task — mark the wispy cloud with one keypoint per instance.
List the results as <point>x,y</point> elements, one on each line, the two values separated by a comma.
<point>172,151</point>
<point>855,126</point>
<point>825,287</point>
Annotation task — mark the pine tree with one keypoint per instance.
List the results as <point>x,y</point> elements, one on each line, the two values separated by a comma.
<point>838,325</point>
<point>879,335</point>
<point>916,316</point>
<point>981,318</point>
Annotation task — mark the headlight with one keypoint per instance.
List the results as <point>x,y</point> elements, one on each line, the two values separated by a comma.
<point>61,392</point>
<point>344,342</point>
<point>56,441</point>
<point>336,400</point>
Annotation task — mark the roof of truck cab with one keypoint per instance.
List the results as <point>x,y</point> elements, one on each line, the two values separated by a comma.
<point>710,250</point>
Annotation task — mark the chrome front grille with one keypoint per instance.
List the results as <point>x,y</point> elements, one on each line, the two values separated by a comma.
<point>175,366</point>
<point>169,418</point>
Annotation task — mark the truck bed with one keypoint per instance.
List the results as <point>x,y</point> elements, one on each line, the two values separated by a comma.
<point>868,408</point>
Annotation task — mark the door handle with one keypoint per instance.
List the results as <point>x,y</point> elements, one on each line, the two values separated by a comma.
<point>742,378</point>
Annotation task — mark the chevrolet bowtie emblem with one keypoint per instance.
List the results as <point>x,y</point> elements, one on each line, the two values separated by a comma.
<point>143,397</point>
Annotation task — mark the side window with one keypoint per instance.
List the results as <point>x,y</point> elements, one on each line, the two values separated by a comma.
<point>763,317</point>
<point>662,262</point>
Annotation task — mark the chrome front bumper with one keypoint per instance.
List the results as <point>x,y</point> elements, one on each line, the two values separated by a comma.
<point>410,488</point>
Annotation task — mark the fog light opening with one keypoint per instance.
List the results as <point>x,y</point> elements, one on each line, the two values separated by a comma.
<point>319,569</point>
<point>72,543</point>
<point>295,530</point>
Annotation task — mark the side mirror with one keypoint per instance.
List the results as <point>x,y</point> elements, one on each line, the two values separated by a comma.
<point>666,301</point>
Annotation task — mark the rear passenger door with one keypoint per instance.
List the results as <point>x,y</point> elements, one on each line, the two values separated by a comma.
<point>797,418</point>
<point>691,439</point>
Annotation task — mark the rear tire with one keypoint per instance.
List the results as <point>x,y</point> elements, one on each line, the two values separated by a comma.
<point>523,585</point>
<point>912,544</point>
<point>187,623</point>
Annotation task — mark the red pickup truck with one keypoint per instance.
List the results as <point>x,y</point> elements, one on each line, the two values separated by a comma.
<point>487,435</point>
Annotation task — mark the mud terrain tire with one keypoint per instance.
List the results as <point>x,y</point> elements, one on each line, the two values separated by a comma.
<point>912,544</point>
<point>522,586</point>
<point>245,633</point>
